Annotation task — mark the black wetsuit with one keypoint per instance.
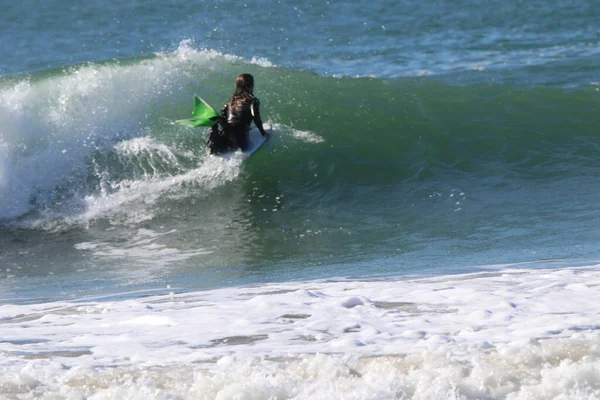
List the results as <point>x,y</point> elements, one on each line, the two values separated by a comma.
<point>238,114</point>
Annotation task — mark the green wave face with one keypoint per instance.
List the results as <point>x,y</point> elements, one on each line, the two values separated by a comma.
<point>389,131</point>
<point>356,163</point>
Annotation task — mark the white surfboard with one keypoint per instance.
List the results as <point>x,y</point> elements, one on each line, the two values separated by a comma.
<point>255,142</point>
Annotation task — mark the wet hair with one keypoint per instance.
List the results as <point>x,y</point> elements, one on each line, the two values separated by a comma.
<point>244,82</point>
<point>244,87</point>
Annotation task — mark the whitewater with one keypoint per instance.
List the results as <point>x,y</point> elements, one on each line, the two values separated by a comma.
<point>514,334</point>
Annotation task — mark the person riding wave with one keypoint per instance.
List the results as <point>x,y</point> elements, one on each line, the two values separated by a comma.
<point>237,114</point>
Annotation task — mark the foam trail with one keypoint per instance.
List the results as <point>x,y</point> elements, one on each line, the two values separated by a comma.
<point>127,196</point>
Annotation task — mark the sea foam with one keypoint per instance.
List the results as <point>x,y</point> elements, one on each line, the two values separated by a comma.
<point>517,334</point>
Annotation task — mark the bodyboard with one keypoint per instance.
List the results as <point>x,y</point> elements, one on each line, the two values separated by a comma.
<point>255,141</point>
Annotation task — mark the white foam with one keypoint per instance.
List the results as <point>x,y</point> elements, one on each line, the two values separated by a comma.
<point>187,51</point>
<point>55,124</point>
<point>147,145</point>
<point>130,201</point>
<point>51,127</point>
<point>262,61</point>
<point>306,136</point>
<point>515,334</point>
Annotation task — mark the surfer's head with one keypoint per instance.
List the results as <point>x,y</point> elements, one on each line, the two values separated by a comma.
<point>244,83</point>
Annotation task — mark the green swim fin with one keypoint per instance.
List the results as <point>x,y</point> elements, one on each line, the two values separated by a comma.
<point>203,115</point>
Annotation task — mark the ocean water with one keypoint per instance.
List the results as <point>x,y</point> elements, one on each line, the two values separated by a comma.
<point>423,224</point>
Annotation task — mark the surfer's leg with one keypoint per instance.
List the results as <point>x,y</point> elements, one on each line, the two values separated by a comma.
<point>217,141</point>
<point>241,137</point>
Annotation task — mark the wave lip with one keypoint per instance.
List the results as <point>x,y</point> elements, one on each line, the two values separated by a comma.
<point>57,122</point>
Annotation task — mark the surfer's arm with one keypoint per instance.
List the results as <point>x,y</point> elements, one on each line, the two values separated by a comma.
<point>257,119</point>
<point>223,118</point>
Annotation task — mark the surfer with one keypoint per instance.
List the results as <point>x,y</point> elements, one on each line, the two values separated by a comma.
<point>236,116</point>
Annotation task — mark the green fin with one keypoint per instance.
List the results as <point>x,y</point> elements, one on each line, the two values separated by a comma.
<point>203,115</point>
